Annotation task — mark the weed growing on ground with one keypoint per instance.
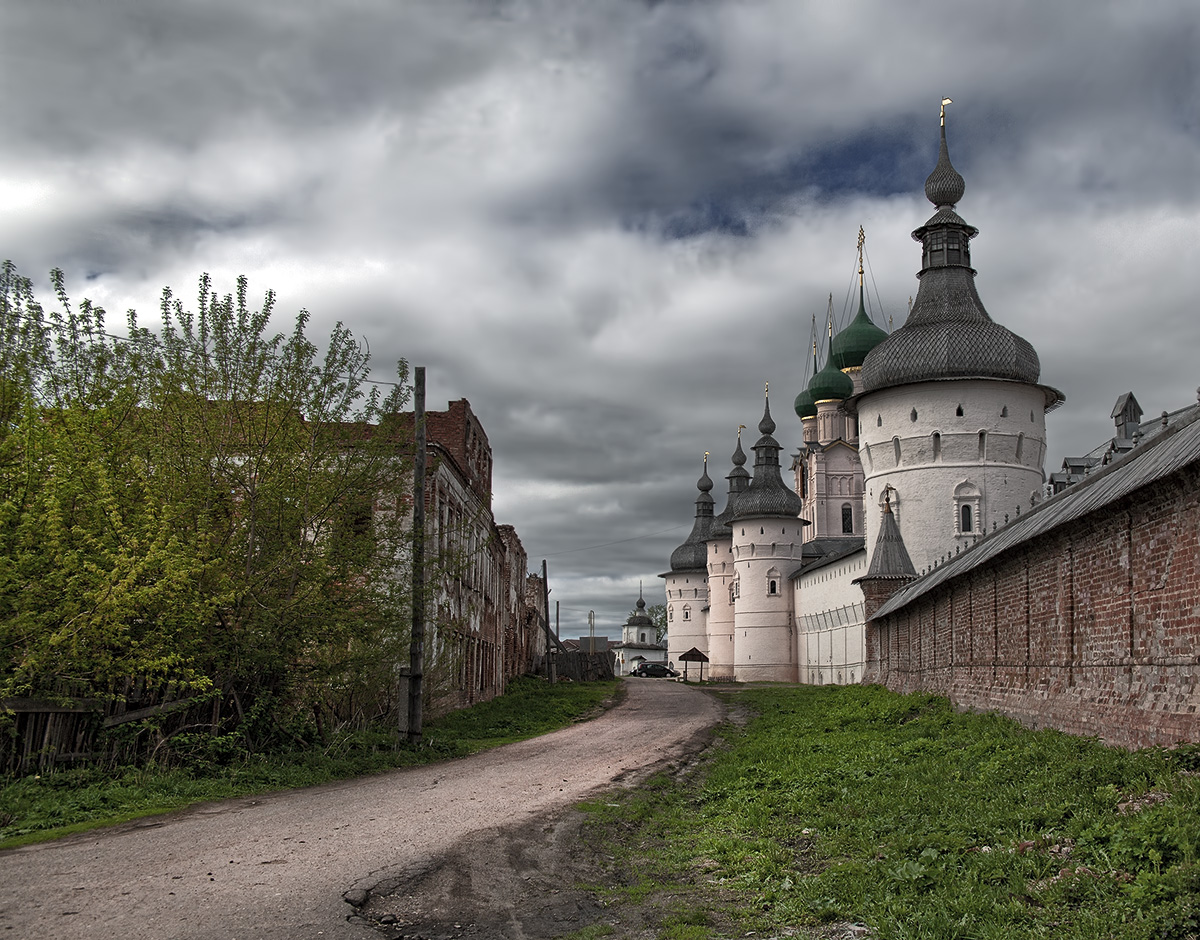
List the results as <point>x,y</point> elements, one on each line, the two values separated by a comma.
<point>854,804</point>
<point>39,807</point>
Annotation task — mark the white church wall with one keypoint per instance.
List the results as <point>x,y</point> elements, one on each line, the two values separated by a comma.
<point>830,622</point>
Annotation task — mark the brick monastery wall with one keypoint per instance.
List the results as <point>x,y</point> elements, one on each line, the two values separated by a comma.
<point>1092,628</point>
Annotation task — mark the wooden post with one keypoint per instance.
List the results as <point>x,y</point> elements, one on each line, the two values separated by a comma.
<point>416,652</point>
<point>546,609</point>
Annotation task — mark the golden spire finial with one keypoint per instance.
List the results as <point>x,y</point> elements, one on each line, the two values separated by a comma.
<point>767,390</point>
<point>945,101</point>
<point>741,428</point>
<point>706,461</point>
<point>862,237</point>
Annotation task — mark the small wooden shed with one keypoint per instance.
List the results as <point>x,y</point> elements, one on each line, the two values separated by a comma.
<point>693,656</point>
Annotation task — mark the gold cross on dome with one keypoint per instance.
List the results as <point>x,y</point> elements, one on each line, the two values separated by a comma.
<point>945,101</point>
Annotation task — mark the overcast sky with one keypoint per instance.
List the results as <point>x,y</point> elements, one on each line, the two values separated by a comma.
<point>608,223</point>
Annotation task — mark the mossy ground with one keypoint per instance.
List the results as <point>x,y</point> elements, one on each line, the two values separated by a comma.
<point>849,806</point>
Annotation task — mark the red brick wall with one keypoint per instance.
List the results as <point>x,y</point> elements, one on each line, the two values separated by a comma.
<point>1092,628</point>
<point>460,434</point>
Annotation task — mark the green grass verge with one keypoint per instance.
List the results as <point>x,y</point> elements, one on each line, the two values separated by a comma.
<point>38,808</point>
<point>858,805</point>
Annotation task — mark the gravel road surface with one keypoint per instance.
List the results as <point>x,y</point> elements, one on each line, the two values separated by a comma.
<point>283,865</point>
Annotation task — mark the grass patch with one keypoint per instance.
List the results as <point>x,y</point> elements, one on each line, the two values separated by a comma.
<point>855,804</point>
<point>38,808</point>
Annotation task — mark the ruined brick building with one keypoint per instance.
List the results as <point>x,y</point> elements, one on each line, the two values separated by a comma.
<point>485,626</point>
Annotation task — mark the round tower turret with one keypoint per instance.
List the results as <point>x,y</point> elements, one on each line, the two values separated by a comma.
<point>767,537</point>
<point>951,417</point>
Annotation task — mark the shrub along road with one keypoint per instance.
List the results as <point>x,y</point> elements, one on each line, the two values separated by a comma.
<point>284,865</point>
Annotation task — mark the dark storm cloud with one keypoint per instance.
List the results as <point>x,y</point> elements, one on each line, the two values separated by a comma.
<point>608,225</point>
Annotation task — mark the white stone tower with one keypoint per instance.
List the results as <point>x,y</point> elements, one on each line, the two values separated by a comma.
<point>766,551</point>
<point>687,581</point>
<point>721,573</point>
<point>952,420</point>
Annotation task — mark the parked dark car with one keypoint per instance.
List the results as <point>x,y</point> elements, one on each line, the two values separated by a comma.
<point>654,671</point>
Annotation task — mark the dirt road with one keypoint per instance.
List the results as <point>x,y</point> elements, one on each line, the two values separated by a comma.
<point>283,865</point>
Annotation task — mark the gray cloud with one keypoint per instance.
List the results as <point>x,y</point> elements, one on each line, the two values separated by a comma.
<point>608,225</point>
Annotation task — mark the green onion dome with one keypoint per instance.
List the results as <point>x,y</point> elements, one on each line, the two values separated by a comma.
<point>806,407</point>
<point>850,347</point>
<point>831,383</point>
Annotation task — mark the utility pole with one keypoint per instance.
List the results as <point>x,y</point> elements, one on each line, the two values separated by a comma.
<point>416,651</point>
<point>550,670</point>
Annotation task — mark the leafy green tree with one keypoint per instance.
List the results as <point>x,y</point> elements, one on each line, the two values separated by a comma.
<point>658,613</point>
<point>211,504</point>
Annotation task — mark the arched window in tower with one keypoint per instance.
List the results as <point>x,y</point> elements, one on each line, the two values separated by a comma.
<point>773,579</point>
<point>896,448</point>
<point>1004,411</point>
<point>935,251</point>
<point>936,442</point>
<point>847,519</point>
<point>670,614</point>
<point>913,415</point>
<point>967,498</point>
<point>687,613</point>
<point>879,421</point>
<point>1020,445</point>
<point>953,248</point>
<point>958,411</point>
<point>983,445</point>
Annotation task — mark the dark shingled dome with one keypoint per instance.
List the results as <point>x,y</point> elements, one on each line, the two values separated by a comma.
<point>692,555</point>
<point>948,334</point>
<point>739,479</point>
<point>767,494</point>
